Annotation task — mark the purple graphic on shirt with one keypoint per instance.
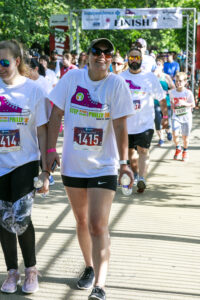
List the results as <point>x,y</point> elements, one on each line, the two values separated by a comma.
<point>9,109</point>
<point>132,86</point>
<point>82,98</point>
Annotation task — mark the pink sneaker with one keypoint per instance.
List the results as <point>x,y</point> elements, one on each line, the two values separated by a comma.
<point>9,109</point>
<point>10,284</point>
<point>82,99</point>
<point>31,281</point>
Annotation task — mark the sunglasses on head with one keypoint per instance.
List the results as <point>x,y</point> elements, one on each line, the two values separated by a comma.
<point>137,57</point>
<point>4,63</point>
<point>98,52</point>
<point>117,63</point>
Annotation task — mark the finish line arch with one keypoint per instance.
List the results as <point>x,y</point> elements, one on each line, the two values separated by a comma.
<point>158,15</point>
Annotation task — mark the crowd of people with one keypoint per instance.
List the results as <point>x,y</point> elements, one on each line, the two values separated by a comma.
<point>111,106</point>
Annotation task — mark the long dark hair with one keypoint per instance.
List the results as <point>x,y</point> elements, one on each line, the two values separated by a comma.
<point>34,63</point>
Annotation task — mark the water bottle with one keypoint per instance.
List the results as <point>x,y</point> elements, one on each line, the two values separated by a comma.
<point>38,184</point>
<point>125,181</point>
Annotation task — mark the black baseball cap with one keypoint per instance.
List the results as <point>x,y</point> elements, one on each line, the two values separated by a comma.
<point>105,41</point>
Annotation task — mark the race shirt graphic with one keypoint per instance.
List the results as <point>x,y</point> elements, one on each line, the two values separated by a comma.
<point>136,92</point>
<point>12,113</point>
<point>82,98</point>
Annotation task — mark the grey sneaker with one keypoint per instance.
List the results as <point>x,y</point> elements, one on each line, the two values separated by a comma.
<point>10,284</point>
<point>86,279</point>
<point>97,293</point>
<point>31,281</point>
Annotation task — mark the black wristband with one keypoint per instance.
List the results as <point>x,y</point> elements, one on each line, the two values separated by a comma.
<point>45,171</point>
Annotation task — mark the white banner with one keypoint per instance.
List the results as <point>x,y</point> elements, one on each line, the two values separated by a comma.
<point>59,20</point>
<point>114,18</point>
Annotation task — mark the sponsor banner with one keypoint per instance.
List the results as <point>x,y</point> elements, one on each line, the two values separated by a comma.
<point>113,18</point>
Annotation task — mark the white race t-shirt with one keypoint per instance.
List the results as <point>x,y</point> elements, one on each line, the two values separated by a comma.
<point>148,63</point>
<point>51,77</point>
<point>144,87</point>
<point>23,108</point>
<point>89,148</point>
<point>44,84</point>
<point>180,112</point>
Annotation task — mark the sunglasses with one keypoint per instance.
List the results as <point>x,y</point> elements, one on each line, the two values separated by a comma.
<point>4,63</point>
<point>116,63</point>
<point>134,57</point>
<point>98,52</point>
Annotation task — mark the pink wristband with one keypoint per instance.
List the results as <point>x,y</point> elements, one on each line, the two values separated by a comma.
<point>51,150</point>
<point>165,117</point>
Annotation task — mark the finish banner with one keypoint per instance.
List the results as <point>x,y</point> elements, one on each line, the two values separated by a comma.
<point>114,18</point>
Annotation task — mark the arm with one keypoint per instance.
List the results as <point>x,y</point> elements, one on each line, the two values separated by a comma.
<point>164,110</point>
<point>42,139</point>
<point>121,134</point>
<point>170,82</point>
<point>53,130</point>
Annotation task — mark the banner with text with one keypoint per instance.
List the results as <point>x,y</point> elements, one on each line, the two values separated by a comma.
<point>114,18</point>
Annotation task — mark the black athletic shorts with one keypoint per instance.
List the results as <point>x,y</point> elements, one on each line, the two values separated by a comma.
<point>142,139</point>
<point>105,182</point>
<point>19,182</point>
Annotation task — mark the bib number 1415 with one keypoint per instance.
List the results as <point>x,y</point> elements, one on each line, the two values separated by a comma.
<point>88,138</point>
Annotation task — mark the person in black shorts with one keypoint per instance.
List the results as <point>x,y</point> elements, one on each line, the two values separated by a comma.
<point>95,104</point>
<point>144,87</point>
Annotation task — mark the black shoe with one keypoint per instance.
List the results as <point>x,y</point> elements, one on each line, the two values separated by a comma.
<point>97,293</point>
<point>86,280</point>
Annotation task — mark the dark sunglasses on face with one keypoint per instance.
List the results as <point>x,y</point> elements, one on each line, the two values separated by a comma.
<point>117,63</point>
<point>98,52</point>
<point>137,57</point>
<point>4,63</point>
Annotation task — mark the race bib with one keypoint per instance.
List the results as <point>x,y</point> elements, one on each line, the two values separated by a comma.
<point>179,111</point>
<point>88,138</point>
<point>137,105</point>
<point>9,140</point>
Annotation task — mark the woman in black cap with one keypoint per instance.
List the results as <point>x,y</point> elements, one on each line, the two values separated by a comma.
<point>95,105</point>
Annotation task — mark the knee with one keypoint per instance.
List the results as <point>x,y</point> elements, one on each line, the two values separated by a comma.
<point>81,221</point>
<point>143,151</point>
<point>97,228</point>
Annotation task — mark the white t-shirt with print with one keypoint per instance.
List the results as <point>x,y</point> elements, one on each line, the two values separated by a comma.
<point>181,112</point>
<point>144,87</point>
<point>23,108</point>
<point>89,148</point>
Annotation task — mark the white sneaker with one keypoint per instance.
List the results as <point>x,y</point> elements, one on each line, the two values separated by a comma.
<point>10,284</point>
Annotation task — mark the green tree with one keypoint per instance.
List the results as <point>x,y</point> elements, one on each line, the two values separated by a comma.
<point>28,20</point>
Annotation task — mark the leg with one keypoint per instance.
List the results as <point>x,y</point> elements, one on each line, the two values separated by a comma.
<point>133,158</point>
<point>79,204</point>
<point>9,247</point>
<point>27,245</point>
<point>185,141</point>
<point>143,161</point>
<point>100,201</point>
